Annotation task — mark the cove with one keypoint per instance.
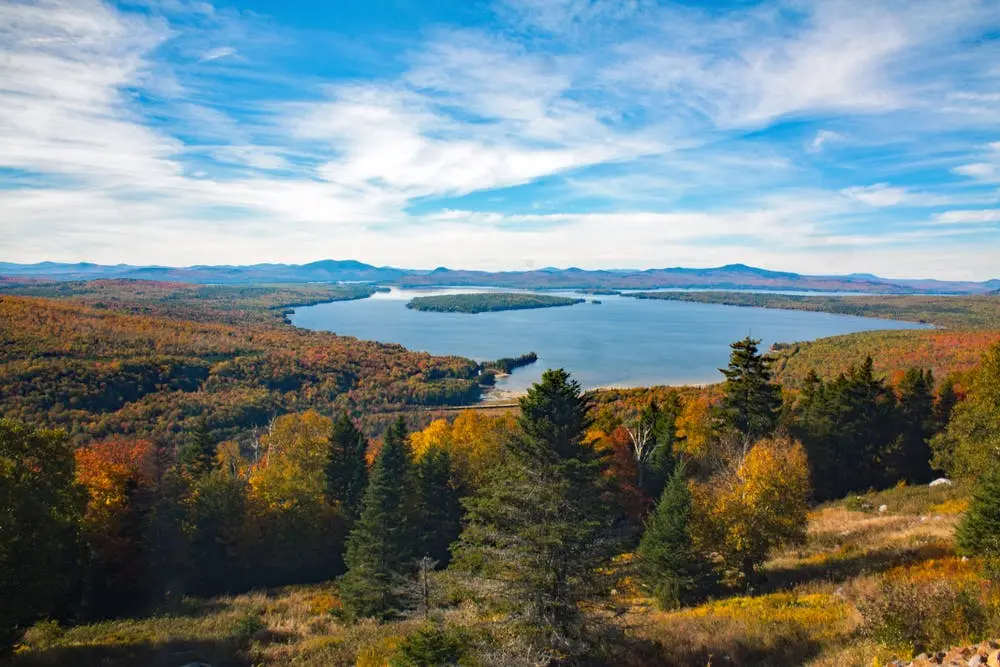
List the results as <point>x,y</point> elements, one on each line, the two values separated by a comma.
<point>621,342</point>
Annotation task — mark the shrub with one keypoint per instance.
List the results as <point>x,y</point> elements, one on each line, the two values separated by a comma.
<point>431,646</point>
<point>929,607</point>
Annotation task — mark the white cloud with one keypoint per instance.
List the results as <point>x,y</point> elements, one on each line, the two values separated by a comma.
<point>216,53</point>
<point>822,138</point>
<point>969,217</point>
<point>880,194</point>
<point>339,171</point>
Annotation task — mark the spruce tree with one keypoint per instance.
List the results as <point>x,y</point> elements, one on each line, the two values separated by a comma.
<point>668,562</point>
<point>916,424</point>
<point>538,527</point>
<point>380,548</point>
<point>751,403</point>
<point>197,455</point>
<point>440,506</point>
<point>979,533</point>
<point>347,469</point>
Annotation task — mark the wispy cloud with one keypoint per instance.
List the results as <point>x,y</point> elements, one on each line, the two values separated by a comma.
<point>560,131</point>
<point>216,53</point>
<point>985,216</point>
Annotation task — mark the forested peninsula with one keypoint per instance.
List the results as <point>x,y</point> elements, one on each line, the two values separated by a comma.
<point>953,312</point>
<point>488,302</point>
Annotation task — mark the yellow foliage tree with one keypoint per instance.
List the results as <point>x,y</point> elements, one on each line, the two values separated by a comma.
<point>291,472</point>
<point>437,434</point>
<point>695,427</point>
<point>474,441</point>
<point>759,503</point>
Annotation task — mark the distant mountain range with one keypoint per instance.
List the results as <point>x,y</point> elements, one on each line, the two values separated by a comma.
<point>732,276</point>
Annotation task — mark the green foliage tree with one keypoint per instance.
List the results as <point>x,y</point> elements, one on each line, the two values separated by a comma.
<point>751,403</point>
<point>380,546</point>
<point>978,534</point>
<point>538,526</point>
<point>40,514</point>
<point>916,426</point>
<point>850,428</point>
<point>668,563</point>
<point>197,455</point>
<point>347,469</point>
<point>440,520</point>
<point>970,445</point>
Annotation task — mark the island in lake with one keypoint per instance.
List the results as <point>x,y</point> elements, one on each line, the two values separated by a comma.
<point>488,302</point>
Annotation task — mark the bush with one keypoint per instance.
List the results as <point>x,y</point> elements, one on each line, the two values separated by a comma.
<point>431,646</point>
<point>919,614</point>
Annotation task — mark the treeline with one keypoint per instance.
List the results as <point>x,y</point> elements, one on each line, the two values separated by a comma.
<point>947,353</point>
<point>529,513</point>
<point>232,304</point>
<point>955,312</point>
<point>488,302</point>
<point>507,365</point>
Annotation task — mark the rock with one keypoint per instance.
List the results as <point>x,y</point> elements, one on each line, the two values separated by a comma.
<point>883,508</point>
<point>941,481</point>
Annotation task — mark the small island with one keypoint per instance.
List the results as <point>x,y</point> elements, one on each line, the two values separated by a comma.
<point>488,302</point>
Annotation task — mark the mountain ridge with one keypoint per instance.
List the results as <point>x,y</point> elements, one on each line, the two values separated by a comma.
<point>729,276</point>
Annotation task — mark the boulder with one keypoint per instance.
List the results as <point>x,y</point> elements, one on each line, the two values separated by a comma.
<point>941,481</point>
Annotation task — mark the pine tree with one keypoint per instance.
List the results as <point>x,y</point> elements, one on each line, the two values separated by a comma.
<point>751,403</point>
<point>668,562</point>
<point>347,469</point>
<point>979,533</point>
<point>379,548</point>
<point>440,507</point>
<point>197,456</point>
<point>916,413</point>
<point>538,526</point>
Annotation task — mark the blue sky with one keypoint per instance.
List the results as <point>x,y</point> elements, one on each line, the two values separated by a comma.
<point>819,137</point>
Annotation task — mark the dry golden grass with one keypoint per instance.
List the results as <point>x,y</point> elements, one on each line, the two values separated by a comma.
<point>804,613</point>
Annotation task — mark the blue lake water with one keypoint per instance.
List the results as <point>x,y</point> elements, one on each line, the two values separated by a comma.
<point>621,342</point>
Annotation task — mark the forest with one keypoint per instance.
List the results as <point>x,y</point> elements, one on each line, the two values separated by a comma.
<point>488,302</point>
<point>953,312</point>
<point>184,477</point>
<point>576,529</point>
<point>99,370</point>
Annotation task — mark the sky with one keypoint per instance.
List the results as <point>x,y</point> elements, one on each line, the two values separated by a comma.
<point>818,136</point>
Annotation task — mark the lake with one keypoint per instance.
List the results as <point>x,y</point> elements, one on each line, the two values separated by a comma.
<point>621,342</point>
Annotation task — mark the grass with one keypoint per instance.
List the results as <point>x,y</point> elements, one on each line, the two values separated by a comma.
<point>815,607</point>
<point>808,609</point>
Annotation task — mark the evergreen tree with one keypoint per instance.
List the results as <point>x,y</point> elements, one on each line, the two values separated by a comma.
<point>538,526</point>
<point>916,423</point>
<point>979,533</point>
<point>379,548</point>
<point>659,465</point>
<point>751,403</point>
<point>197,455</point>
<point>440,507</point>
<point>944,405</point>
<point>347,469</point>
<point>668,562</point>
<point>40,515</point>
<point>871,427</point>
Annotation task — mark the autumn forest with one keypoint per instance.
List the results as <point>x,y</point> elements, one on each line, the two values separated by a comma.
<point>182,472</point>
